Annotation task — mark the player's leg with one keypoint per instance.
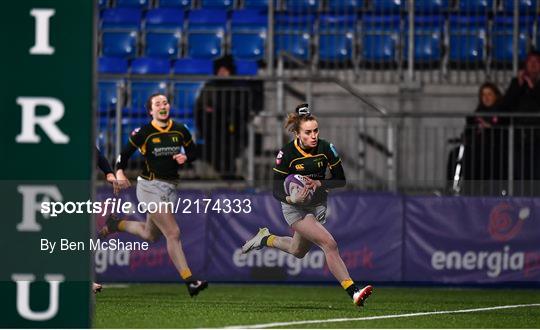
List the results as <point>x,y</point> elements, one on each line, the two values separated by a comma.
<point>310,229</point>
<point>145,230</point>
<point>169,228</point>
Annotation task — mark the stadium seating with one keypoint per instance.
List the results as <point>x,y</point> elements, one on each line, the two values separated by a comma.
<point>142,4</point>
<point>336,37</point>
<point>302,6</point>
<point>257,4</point>
<point>427,39</point>
<point>107,95</point>
<point>206,33</point>
<point>121,18</point>
<point>148,65</point>
<point>113,65</point>
<point>293,34</point>
<point>217,4</point>
<point>345,6</point>
<point>380,39</point>
<point>431,6</point>
<point>248,34</point>
<point>103,4</point>
<point>526,7</point>
<point>387,6</point>
<point>467,39</point>
<point>183,4</point>
<point>162,44</point>
<point>187,66</point>
<point>475,6</point>
<point>185,95</point>
<point>119,44</point>
<point>246,68</point>
<point>502,38</point>
<point>165,19</point>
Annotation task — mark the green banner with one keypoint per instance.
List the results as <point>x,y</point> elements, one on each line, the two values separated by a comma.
<point>46,101</point>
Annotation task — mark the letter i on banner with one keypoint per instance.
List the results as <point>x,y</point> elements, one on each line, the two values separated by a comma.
<point>47,95</point>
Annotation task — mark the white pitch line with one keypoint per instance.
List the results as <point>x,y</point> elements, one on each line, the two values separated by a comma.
<point>368,318</point>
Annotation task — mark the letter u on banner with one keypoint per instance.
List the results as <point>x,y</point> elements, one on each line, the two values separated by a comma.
<point>23,296</point>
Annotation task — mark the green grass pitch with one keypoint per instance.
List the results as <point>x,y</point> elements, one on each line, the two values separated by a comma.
<point>222,305</point>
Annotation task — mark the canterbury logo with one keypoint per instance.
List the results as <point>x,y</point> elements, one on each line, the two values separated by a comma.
<point>156,140</point>
<point>299,167</point>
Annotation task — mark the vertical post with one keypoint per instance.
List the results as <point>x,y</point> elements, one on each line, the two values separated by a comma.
<point>511,158</point>
<point>270,39</point>
<point>410,53</point>
<point>391,159</point>
<point>118,119</point>
<point>515,38</point>
<point>280,91</point>
<point>251,154</point>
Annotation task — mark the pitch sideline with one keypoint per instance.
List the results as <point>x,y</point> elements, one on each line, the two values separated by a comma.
<point>379,317</point>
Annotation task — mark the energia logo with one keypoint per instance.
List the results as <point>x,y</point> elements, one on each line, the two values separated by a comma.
<point>504,223</point>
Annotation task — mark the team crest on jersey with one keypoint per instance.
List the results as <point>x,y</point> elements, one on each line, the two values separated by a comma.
<point>278,158</point>
<point>334,151</point>
<point>135,131</point>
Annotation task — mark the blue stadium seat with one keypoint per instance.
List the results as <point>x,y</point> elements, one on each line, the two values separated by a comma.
<point>142,4</point>
<point>428,31</point>
<point>165,19</point>
<point>108,95</point>
<point>162,44</point>
<point>293,35</point>
<point>388,6</point>
<point>302,6</point>
<point>119,44</point>
<point>246,68</point>
<point>526,7</point>
<point>467,39</point>
<point>205,45</point>
<point>207,19</point>
<point>112,65</point>
<point>141,90</point>
<point>380,38</point>
<point>218,4</point>
<point>121,18</point>
<point>347,6</point>
<point>503,46</point>
<point>475,6</point>
<point>336,37</point>
<point>187,66</point>
<point>431,6</point>
<point>185,95</point>
<point>248,46</point>
<point>148,65</point>
<point>249,20</point>
<point>183,4</point>
<point>257,4</point>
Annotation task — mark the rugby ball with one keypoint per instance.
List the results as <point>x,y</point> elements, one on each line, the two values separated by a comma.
<point>294,183</point>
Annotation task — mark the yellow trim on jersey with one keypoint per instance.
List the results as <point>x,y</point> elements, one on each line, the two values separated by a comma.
<point>300,150</point>
<point>331,166</point>
<point>309,156</point>
<point>275,169</point>
<point>166,129</point>
<point>187,143</point>
<point>133,143</point>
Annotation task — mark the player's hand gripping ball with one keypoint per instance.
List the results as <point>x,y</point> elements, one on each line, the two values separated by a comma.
<point>294,185</point>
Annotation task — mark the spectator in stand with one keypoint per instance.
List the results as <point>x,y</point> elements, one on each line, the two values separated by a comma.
<point>523,96</point>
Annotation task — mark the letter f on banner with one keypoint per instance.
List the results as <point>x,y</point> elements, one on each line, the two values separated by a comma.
<point>23,296</point>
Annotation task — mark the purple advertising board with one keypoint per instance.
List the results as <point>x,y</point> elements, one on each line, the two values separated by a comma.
<point>472,240</point>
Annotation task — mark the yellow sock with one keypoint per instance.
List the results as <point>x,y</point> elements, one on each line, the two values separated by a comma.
<point>347,283</point>
<point>186,273</point>
<point>270,240</point>
<point>121,225</point>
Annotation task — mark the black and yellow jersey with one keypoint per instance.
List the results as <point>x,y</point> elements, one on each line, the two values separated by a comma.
<point>313,163</point>
<point>158,145</point>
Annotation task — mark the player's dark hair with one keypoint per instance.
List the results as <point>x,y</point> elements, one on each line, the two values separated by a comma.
<point>491,86</point>
<point>148,104</point>
<point>301,114</point>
